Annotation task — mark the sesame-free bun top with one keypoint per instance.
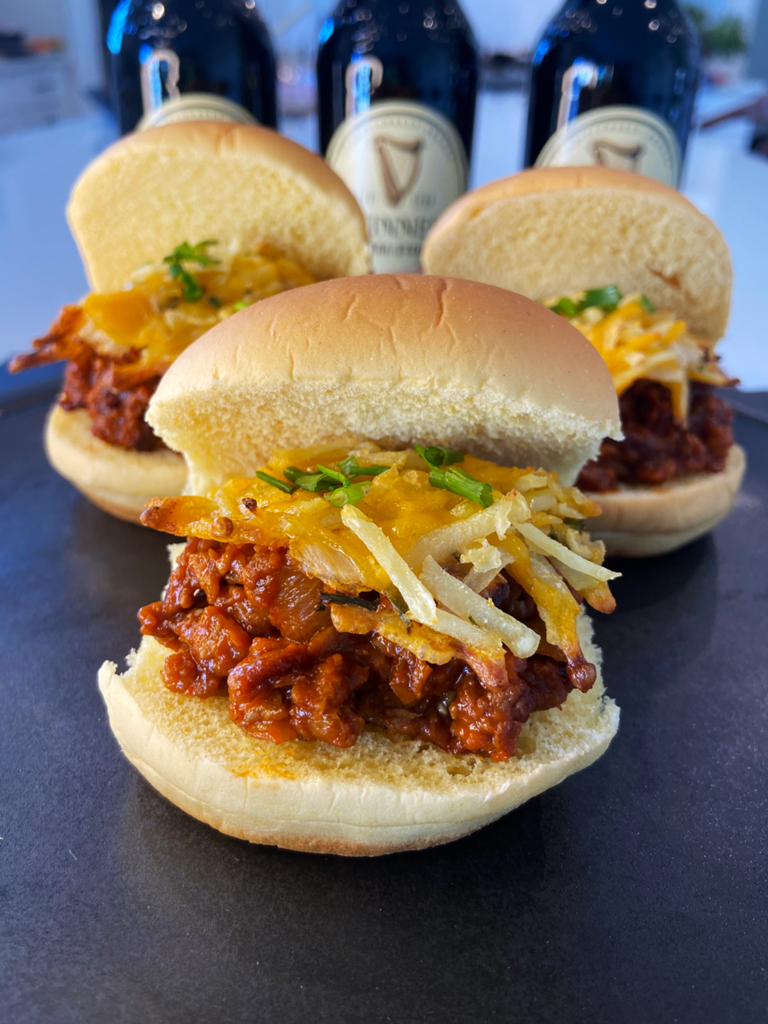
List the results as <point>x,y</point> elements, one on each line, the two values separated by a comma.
<point>554,230</point>
<point>237,184</point>
<point>393,359</point>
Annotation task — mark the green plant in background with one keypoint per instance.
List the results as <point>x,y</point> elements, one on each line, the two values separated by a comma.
<point>724,38</point>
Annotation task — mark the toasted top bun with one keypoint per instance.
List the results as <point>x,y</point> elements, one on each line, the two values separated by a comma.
<point>394,359</point>
<point>554,230</point>
<point>238,184</point>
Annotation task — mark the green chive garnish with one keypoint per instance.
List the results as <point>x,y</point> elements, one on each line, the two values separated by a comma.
<point>606,298</point>
<point>647,305</point>
<point>352,468</point>
<point>334,474</point>
<point>460,482</point>
<point>565,307</point>
<point>435,456</point>
<point>280,484</point>
<point>352,494</point>
<point>575,524</point>
<point>193,290</point>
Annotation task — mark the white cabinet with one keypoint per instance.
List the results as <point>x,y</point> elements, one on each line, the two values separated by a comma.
<point>36,90</point>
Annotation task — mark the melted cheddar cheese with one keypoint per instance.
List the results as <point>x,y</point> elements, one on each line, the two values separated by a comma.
<point>152,316</point>
<point>533,527</point>
<point>636,343</point>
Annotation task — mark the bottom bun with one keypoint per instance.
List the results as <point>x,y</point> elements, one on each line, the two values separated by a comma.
<point>641,521</point>
<point>380,796</point>
<point>118,480</point>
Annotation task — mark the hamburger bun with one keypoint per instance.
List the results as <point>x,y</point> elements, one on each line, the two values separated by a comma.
<point>118,480</point>
<point>396,360</point>
<point>380,796</point>
<point>641,521</point>
<point>241,185</point>
<point>393,359</point>
<point>553,231</point>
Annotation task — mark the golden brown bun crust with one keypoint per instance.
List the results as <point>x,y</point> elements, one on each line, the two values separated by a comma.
<point>642,521</point>
<point>116,479</point>
<point>380,796</point>
<point>396,359</point>
<point>550,231</point>
<point>238,184</point>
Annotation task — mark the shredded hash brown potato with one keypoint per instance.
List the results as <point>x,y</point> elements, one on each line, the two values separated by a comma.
<point>637,343</point>
<point>411,542</point>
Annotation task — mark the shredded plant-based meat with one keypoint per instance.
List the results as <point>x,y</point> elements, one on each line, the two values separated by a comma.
<point>244,621</point>
<point>657,446</point>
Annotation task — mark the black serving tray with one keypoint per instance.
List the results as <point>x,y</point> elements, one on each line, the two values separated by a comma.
<point>635,891</point>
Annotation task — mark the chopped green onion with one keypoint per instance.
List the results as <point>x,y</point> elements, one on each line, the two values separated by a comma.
<point>460,482</point>
<point>280,484</point>
<point>647,305</point>
<point>352,468</point>
<point>360,602</point>
<point>240,304</point>
<point>606,298</point>
<point>193,290</point>
<point>293,473</point>
<point>314,482</point>
<point>216,303</point>
<point>575,524</point>
<point>352,494</point>
<point>435,456</point>
<point>334,474</point>
<point>565,307</point>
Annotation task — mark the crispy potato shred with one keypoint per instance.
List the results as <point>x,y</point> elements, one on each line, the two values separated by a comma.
<point>426,549</point>
<point>144,327</point>
<point>638,342</point>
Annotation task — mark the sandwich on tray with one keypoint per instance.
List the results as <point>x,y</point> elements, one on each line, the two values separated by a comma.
<point>178,228</point>
<point>646,277</point>
<point>374,638</point>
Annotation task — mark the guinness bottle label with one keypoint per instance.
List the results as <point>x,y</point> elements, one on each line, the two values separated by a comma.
<point>405,164</point>
<point>164,104</point>
<point>624,138</point>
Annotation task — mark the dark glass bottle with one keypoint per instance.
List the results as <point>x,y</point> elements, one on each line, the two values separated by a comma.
<point>189,60</point>
<point>613,83</point>
<point>397,87</point>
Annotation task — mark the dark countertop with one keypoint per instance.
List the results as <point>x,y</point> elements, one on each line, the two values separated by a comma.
<point>635,891</point>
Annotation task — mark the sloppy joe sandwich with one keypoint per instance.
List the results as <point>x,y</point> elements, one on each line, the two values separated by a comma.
<point>178,227</point>
<point>646,277</point>
<point>374,637</point>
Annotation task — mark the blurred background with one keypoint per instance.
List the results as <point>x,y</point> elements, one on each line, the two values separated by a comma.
<point>56,114</point>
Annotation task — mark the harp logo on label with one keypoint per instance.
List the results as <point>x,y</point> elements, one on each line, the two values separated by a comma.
<point>624,138</point>
<point>405,164</point>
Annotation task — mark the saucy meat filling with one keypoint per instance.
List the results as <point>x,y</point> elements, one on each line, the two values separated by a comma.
<point>114,390</point>
<point>243,621</point>
<point>658,446</point>
<point>118,345</point>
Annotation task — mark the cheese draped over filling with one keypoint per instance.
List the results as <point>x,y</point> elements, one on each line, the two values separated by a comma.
<point>637,341</point>
<point>429,550</point>
<point>153,317</point>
